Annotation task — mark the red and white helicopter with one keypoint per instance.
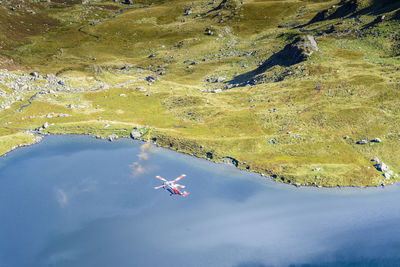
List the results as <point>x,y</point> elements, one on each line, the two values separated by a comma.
<point>172,187</point>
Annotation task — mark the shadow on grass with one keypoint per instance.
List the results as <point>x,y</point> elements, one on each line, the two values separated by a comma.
<point>288,56</point>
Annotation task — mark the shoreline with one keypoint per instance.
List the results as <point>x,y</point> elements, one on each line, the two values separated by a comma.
<point>38,139</point>
<point>41,136</point>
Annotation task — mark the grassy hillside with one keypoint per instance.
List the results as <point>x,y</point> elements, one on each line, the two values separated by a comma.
<point>285,88</point>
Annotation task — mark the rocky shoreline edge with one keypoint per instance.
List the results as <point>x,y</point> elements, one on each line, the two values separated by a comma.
<point>229,161</point>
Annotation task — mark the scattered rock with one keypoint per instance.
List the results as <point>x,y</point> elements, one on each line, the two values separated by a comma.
<point>376,160</point>
<point>346,137</point>
<point>228,86</point>
<point>123,95</point>
<point>209,32</point>
<point>189,62</point>
<point>112,137</point>
<point>386,175</point>
<point>317,169</point>
<point>63,115</point>
<point>272,141</point>
<point>188,11</point>
<point>362,142</point>
<point>45,125</point>
<point>34,74</point>
<point>220,79</point>
<point>141,89</point>
<point>150,79</point>
<point>376,140</point>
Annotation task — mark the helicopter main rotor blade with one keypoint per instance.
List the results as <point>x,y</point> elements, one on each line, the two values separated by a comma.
<point>158,187</point>
<point>162,179</point>
<point>179,185</point>
<point>180,177</point>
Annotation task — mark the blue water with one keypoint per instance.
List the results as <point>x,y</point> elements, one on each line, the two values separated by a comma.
<point>78,201</point>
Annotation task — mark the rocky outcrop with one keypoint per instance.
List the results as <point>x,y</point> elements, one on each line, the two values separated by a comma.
<point>297,51</point>
<point>348,8</point>
<point>365,141</point>
<point>231,161</point>
<point>230,5</point>
<point>20,84</point>
<point>112,137</point>
<point>135,133</point>
<point>382,167</point>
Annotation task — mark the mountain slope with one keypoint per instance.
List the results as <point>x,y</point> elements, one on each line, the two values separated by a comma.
<point>284,88</point>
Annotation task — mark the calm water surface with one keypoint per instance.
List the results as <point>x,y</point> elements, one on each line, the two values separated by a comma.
<point>77,201</point>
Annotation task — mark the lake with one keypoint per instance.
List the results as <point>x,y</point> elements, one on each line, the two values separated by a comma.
<point>78,201</point>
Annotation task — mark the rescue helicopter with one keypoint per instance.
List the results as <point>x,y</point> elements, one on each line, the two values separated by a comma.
<point>172,187</point>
